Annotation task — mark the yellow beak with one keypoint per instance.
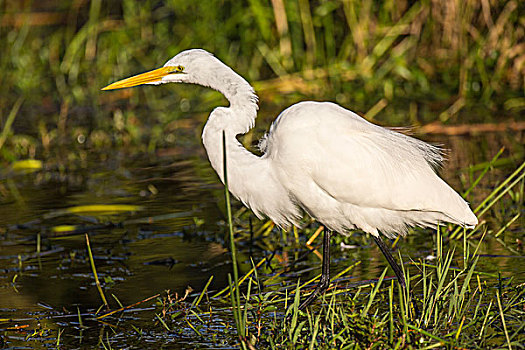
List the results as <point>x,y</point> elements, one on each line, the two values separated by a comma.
<point>144,78</point>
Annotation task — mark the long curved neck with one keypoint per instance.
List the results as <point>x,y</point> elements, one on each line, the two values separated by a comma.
<point>241,96</point>
<point>250,178</point>
<point>243,166</point>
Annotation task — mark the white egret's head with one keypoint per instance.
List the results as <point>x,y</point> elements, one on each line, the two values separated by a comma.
<point>191,66</point>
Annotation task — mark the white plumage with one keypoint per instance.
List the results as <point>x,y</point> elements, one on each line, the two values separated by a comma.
<point>348,173</point>
<point>344,171</point>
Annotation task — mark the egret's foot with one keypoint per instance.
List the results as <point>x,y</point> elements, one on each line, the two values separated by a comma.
<point>321,287</point>
<point>325,272</point>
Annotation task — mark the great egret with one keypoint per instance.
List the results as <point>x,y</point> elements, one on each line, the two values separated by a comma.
<point>342,170</point>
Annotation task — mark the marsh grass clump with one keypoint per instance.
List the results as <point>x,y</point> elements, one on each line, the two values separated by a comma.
<point>457,308</point>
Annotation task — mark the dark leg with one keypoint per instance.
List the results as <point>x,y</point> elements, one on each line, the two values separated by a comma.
<point>325,274</point>
<point>386,252</point>
<point>397,269</point>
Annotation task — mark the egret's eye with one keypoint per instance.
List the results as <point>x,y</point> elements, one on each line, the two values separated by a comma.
<point>178,69</point>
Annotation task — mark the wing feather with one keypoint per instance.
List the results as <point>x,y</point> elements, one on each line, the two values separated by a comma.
<point>359,163</point>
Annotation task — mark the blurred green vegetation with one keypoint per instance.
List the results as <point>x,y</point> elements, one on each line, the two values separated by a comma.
<point>400,62</point>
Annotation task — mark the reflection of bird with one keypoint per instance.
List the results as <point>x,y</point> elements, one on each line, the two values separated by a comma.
<point>342,170</point>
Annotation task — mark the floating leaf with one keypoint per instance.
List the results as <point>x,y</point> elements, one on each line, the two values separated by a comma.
<point>106,209</point>
<point>27,165</point>
<point>94,209</point>
<point>63,228</point>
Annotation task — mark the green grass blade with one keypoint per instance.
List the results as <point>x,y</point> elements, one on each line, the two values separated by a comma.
<point>10,119</point>
<point>94,269</point>
<point>503,320</point>
<point>241,330</point>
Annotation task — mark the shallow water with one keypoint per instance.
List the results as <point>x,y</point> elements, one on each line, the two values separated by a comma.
<point>175,237</point>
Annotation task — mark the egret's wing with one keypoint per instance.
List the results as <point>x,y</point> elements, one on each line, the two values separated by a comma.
<point>360,163</point>
<point>378,169</point>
